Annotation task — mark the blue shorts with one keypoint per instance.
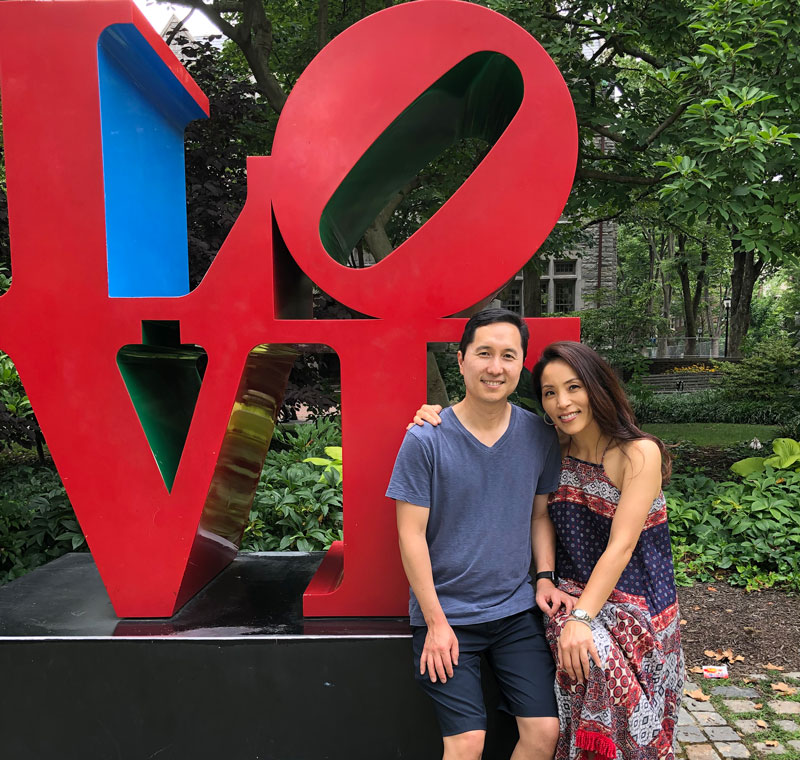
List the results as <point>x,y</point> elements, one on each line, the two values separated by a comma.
<point>518,654</point>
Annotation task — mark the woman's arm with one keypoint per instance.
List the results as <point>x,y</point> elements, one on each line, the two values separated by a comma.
<point>641,483</point>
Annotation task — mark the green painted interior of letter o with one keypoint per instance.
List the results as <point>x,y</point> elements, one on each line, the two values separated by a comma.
<point>477,98</point>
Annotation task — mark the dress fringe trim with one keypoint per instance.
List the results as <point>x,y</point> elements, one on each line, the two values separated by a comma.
<point>594,742</point>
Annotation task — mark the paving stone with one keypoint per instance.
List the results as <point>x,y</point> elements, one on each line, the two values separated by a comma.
<point>701,752</point>
<point>758,677</point>
<point>689,685</point>
<point>732,749</point>
<point>684,719</point>
<point>694,706</point>
<point>748,726</point>
<point>740,705</point>
<point>787,725</point>
<point>794,744</point>
<point>763,749</point>
<point>688,734</point>
<point>734,691</point>
<point>722,734</point>
<point>785,708</point>
<point>795,674</point>
<point>710,719</point>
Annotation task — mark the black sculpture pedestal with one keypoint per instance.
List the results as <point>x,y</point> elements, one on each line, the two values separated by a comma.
<point>237,674</point>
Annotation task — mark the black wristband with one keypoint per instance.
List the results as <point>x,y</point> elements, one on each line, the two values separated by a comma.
<point>549,574</point>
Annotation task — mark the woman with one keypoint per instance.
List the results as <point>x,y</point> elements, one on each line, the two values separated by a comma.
<point>618,654</point>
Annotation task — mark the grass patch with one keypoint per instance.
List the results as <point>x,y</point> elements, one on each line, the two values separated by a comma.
<point>711,433</point>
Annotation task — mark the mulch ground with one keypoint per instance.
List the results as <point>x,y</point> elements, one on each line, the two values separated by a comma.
<point>762,626</point>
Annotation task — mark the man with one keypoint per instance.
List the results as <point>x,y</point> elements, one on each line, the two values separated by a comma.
<point>471,496</point>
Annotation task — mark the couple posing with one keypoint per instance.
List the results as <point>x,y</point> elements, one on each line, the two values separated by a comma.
<point>487,482</point>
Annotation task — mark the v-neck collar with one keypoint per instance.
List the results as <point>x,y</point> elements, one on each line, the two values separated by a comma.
<point>512,419</point>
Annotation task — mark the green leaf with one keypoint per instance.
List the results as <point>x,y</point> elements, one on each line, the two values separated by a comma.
<point>787,452</point>
<point>745,467</point>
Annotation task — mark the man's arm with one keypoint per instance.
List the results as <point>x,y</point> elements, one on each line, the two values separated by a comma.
<point>543,543</point>
<point>440,653</point>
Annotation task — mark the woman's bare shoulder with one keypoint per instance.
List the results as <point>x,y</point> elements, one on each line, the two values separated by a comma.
<point>641,455</point>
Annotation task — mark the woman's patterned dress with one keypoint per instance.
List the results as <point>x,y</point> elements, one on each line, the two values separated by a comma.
<point>628,709</point>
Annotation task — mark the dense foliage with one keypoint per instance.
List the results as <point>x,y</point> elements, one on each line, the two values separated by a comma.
<point>298,505</point>
<point>747,531</point>
<point>713,405</point>
<point>37,523</point>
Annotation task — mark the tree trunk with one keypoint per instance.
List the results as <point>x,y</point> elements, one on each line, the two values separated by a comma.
<point>437,392</point>
<point>691,301</point>
<point>532,290</point>
<point>322,24</point>
<point>746,270</point>
<point>379,244</point>
<point>689,316</point>
<point>666,292</point>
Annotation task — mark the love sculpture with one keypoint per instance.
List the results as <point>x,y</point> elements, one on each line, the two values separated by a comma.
<point>157,403</point>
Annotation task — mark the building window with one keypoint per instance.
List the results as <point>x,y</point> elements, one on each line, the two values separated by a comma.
<point>564,266</point>
<point>513,297</point>
<point>564,295</point>
<point>545,295</point>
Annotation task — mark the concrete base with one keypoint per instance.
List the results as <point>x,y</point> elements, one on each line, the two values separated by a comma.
<point>237,674</point>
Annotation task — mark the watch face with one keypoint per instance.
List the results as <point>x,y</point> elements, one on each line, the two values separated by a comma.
<point>581,614</point>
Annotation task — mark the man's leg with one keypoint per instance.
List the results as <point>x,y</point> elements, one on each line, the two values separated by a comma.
<point>537,739</point>
<point>523,665</point>
<point>466,746</point>
<point>459,701</point>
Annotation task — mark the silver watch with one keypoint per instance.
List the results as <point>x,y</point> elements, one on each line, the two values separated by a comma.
<point>581,615</point>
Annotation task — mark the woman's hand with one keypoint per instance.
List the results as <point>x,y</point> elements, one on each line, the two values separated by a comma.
<point>575,646</point>
<point>426,413</point>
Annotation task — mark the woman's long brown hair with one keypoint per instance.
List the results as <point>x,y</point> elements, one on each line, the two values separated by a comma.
<point>610,405</point>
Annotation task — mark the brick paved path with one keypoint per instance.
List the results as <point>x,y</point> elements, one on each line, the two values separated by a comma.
<point>743,718</point>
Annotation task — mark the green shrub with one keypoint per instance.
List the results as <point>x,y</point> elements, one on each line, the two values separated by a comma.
<point>789,427</point>
<point>770,374</point>
<point>712,405</point>
<point>294,507</point>
<point>748,531</point>
<point>37,523</point>
<point>298,441</point>
<point>785,456</point>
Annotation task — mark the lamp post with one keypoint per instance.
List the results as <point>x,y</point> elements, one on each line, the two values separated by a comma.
<point>726,302</point>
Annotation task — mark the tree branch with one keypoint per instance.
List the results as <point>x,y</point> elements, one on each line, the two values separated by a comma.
<point>179,27</point>
<point>673,117</point>
<point>650,139</point>
<point>602,131</point>
<point>571,21</point>
<point>611,217</point>
<point>211,12</point>
<point>252,35</point>
<point>636,53</point>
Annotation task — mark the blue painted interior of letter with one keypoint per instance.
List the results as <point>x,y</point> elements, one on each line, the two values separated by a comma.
<point>144,110</point>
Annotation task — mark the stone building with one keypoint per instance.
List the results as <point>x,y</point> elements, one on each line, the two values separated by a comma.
<point>569,283</point>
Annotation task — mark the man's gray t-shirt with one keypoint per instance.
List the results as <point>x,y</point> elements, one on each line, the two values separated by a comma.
<point>480,500</point>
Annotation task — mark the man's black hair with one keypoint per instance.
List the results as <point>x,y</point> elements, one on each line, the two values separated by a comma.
<point>490,317</point>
